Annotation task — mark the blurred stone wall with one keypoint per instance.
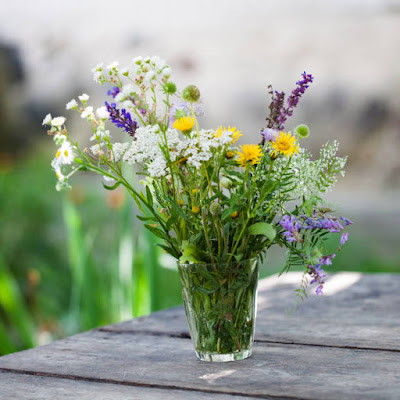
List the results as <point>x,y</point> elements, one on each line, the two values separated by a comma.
<point>232,50</point>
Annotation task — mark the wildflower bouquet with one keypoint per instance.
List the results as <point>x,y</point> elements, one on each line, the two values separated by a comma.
<point>217,206</point>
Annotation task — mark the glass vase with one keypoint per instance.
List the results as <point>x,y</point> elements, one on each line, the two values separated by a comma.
<point>221,304</point>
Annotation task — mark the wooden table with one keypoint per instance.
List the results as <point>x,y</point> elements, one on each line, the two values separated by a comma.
<point>343,345</point>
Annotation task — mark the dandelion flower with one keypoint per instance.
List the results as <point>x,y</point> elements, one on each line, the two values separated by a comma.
<point>250,153</point>
<point>285,143</point>
<point>184,124</point>
<point>235,133</point>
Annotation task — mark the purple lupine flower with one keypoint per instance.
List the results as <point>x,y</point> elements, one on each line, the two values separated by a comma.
<point>344,238</point>
<point>115,90</point>
<point>327,260</point>
<point>292,225</point>
<point>269,134</point>
<point>122,119</point>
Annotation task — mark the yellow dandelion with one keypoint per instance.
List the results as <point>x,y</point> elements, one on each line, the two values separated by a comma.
<point>285,143</point>
<point>184,124</point>
<point>235,133</point>
<point>251,153</point>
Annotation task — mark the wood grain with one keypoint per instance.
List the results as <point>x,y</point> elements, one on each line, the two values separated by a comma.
<point>299,371</point>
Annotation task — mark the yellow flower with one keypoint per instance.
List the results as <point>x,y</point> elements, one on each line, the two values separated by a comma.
<point>195,210</point>
<point>184,124</point>
<point>251,153</point>
<point>235,136</point>
<point>234,215</point>
<point>285,143</point>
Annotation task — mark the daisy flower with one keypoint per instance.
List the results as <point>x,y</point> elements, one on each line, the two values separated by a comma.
<point>250,153</point>
<point>285,143</point>
<point>184,124</point>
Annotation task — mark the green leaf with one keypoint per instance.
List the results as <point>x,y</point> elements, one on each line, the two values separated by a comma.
<point>149,196</point>
<point>262,228</point>
<point>159,233</point>
<point>111,187</point>
<point>190,253</point>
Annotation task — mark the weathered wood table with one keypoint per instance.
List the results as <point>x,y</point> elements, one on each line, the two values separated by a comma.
<point>343,345</point>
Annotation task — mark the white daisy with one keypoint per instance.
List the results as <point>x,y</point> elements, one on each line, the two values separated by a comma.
<point>102,113</point>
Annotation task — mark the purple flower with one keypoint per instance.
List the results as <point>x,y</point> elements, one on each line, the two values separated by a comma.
<point>292,225</point>
<point>344,238</point>
<point>269,134</point>
<point>345,221</point>
<point>122,119</point>
<point>318,274</point>
<point>115,90</point>
<point>279,112</point>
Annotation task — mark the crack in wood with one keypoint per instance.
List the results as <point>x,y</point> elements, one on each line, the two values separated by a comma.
<point>185,335</point>
<point>147,385</point>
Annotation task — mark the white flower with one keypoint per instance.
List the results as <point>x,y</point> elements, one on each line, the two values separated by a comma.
<point>102,113</point>
<point>150,75</point>
<point>88,113</point>
<point>124,71</point>
<point>119,150</point>
<point>100,135</point>
<point>47,120</point>
<point>113,65</point>
<point>59,139</point>
<point>98,76</point>
<point>119,97</point>
<point>58,121</point>
<point>98,67</point>
<point>147,59</point>
<point>72,105</point>
<point>166,72</point>
<point>64,155</point>
<point>137,60</point>
<point>83,98</point>
<point>127,104</point>
<point>128,89</point>
<point>59,175</point>
<point>96,150</point>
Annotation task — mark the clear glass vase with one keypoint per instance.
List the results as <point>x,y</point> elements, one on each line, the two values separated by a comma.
<point>221,304</point>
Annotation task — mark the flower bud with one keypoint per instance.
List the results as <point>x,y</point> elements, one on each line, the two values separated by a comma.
<point>235,215</point>
<point>302,131</point>
<point>229,154</point>
<point>169,88</point>
<point>226,183</point>
<point>191,93</point>
<point>215,209</point>
<point>195,210</point>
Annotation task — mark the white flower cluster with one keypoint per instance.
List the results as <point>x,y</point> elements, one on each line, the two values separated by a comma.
<point>152,66</point>
<point>118,150</point>
<point>146,149</point>
<point>310,178</point>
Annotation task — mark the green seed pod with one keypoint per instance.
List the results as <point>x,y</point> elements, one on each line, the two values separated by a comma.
<point>215,209</point>
<point>191,93</point>
<point>302,131</point>
<point>169,88</point>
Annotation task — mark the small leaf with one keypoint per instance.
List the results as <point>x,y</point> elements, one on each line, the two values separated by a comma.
<point>189,254</point>
<point>262,228</point>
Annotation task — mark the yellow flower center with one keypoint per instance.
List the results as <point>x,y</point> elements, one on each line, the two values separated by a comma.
<point>58,153</point>
<point>66,153</point>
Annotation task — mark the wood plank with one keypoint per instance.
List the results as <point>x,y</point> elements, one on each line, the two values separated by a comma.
<point>292,371</point>
<point>357,311</point>
<point>34,387</point>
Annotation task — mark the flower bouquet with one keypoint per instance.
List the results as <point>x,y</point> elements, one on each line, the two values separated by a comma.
<point>217,206</point>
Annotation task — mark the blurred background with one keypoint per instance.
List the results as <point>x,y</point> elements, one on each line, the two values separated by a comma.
<point>73,261</point>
